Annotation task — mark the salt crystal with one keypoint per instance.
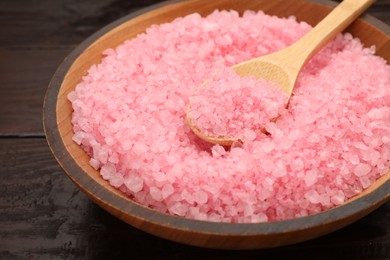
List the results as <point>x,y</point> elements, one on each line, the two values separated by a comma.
<point>382,113</point>
<point>160,176</point>
<point>267,147</point>
<point>313,196</point>
<point>362,169</point>
<point>209,26</point>
<point>179,209</point>
<point>338,198</point>
<point>297,165</point>
<point>311,178</point>
<point>385,139</point>
<point>365,181</point>
<point>134,183</point>
<point>156,193</point>
<point>280,170</point>
<point>200,197</point>
<point>167,190</point>
<point>187,196</point>
<point>241,166</point>
<point>258,218</point>
<point>107,171</point>
<point>249,210</point>
<point>113,158</point>
<point>72,96</point>
<point>176,172</point>
<point>140,148</point>
<point>314,138</point>
<point>78,137</point>
<point>351,157</point>
<point>116,179</point>
<point>218,150</point>
<point>164,147</point>
<point>94,163</point>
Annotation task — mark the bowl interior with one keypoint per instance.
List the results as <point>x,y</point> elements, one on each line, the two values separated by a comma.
<point>58,127</point>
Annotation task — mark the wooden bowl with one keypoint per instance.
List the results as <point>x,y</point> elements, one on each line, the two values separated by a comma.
<point>74,161</point>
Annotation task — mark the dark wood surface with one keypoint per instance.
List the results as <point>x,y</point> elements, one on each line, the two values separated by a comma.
<point>42,214</point>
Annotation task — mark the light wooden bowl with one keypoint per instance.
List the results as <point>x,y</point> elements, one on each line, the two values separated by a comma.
<point>74,161</point>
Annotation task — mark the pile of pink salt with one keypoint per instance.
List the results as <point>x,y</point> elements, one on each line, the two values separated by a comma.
<point>230,107</point>
<point>331,143</point>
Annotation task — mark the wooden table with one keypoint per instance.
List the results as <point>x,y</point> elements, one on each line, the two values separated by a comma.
<point>42,214</point>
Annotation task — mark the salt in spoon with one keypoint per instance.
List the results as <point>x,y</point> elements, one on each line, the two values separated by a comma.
<point>283,66</point>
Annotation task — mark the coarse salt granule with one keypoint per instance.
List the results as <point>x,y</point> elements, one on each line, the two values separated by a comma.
<point>230,107</point>
<point>330,144</point>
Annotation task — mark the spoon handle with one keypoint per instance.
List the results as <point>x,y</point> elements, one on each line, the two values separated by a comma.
<point>336,21</point>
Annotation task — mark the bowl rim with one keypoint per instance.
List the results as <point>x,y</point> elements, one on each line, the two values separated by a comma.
<point>77,175</point>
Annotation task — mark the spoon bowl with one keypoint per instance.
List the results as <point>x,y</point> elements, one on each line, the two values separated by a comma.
<point>283,66</point>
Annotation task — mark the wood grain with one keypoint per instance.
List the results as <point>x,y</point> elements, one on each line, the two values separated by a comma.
<point>35,37</point>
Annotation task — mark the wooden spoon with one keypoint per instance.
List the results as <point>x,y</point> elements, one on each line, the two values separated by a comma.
<point>283,67</point>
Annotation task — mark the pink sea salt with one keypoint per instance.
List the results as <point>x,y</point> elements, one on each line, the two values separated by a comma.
<point>330,144</point>
<point>229,106</point>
